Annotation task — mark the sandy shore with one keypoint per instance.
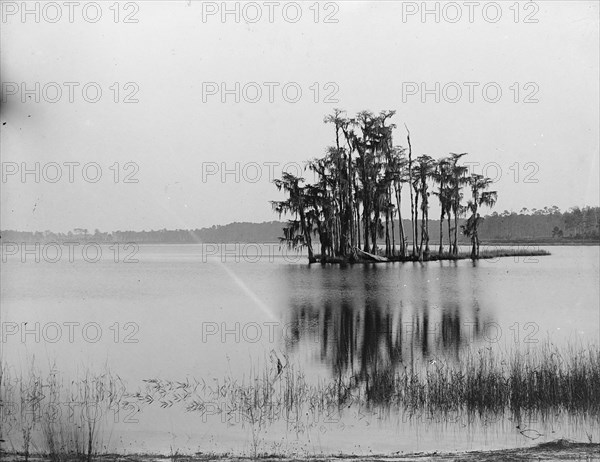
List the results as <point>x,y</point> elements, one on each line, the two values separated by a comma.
<point>553,451</point>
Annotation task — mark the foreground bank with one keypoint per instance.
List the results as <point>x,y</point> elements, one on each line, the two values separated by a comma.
<point>553,451</point>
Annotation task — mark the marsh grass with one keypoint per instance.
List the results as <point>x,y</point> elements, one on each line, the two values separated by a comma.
<point>544,379</point>
<point>53,416</point>
<point>492,253</point>
<point>541,379</point>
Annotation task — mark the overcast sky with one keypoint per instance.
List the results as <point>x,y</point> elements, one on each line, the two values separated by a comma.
<point>376,56</point>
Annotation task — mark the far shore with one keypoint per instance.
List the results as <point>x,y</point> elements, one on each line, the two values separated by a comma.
<point>540,242</point>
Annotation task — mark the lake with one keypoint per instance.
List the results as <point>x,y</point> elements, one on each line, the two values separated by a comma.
<point>221,315</point>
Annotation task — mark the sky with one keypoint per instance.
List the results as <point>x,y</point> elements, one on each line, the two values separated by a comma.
<point>126,117</point>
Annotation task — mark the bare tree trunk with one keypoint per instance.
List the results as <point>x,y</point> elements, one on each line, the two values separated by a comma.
<point>402,236</point>
<point>388,250</point>
<point>91,430</point>
<point>366,221</point>
<point>441,249</point>
<point>416,223</point>
<point>357,223</point>
<point>307,239</point>
<point>449,232</point>
<point>422,229</point>
<point>349,209</point>
<point>412,205</point>
<point>400,224</point>
<point>426,214</point>
<point>374,226</point>
<point>393,236</point>
<point>455,249</point>
<point>476,235</point>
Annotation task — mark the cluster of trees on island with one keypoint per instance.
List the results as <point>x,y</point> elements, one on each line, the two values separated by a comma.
<point>357,197</point>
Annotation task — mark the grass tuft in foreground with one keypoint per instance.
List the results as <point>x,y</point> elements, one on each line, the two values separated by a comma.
<point>48,414</point>
<point>545,380</point>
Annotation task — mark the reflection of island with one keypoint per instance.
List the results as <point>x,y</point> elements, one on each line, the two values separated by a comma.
<point>365,328</point>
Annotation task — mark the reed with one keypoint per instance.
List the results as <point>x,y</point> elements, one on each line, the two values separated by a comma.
<point>54,416</point>
<point>541,379</point>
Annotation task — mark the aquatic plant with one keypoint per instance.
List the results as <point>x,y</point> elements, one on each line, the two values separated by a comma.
<point>543,379</point>
<point>60,418</point>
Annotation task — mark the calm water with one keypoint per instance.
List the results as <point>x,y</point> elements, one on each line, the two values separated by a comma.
<point>181,312</point>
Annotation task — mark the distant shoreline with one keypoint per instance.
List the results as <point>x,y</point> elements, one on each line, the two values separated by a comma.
<point>542,242</point>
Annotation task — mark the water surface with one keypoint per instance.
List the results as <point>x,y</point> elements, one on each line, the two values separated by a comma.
<point>192,311</point>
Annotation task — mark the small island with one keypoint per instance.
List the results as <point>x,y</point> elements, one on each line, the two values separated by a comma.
<point>358,193</point>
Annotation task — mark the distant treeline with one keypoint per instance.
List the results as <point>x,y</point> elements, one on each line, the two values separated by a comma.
<point>547,224</point>
<point>575,224</point>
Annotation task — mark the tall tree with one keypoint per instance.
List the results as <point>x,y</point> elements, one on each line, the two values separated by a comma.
<point>412,203</point>
<point>297,233</point>
<point>423,172</point>
<point>342,159</point>
<point>457,180</point>
<point>400,176</point>
<point>479,197</point>
<point>442,176</point>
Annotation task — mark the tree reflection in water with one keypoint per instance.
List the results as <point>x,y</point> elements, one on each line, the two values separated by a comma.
<point>362,322</point>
